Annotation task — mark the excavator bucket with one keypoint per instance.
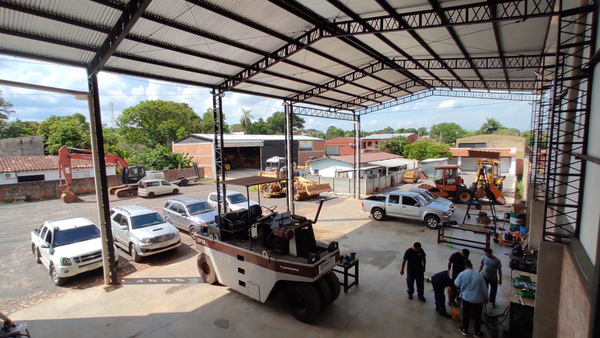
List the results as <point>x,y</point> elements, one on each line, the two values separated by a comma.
<point>69,196</point>
<point>497,194</point>
<point>315,189</point>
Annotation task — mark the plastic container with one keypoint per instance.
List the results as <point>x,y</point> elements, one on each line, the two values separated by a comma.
<point>455,314</point>
<point>517,220</point>
<point>523,230</point>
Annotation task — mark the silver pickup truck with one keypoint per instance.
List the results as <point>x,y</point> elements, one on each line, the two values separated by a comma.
<point>408,204</point>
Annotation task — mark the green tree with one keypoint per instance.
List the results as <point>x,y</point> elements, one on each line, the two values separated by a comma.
<point>426,148</point>
<point>157,122</point>
<point>395,145</point>
<point>72,131</point>
<point>276,123</point>
<point>259,127</point>
<point>246,121</point>
<point>447,132</point>
<point>6,108</point>
<point>17,128</point>
<point>422,131</point>
<point>508,131</point>
<point>161,157</point>
<point>490,126</point>
<point>207,123</point>
<point>334,132</point>
<point>385,130</point>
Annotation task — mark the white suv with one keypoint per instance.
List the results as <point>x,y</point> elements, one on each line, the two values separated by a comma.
<point>142,232</point>
<point>68,247</point>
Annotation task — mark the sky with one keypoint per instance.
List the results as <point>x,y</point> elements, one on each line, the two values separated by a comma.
<point>118,92</point>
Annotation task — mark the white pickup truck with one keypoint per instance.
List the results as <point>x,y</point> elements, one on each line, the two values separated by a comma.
<point>408,204</point>
<point>68,247</point>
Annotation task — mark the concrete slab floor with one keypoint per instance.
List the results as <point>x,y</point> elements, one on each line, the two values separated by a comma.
<point>172,301</point>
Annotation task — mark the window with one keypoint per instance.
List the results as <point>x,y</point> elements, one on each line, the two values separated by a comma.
<point>306,145</point>
<point>394,199</point>
<point>175,207</point>
<point>31,178</point>
<point>213,197</point>
<point>164,183</point>
<point>369,143</point>
<point>409,201</point>
<point>117,218</point>
<point>48,238</point>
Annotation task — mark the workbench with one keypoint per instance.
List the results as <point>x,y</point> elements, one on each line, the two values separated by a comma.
<point>345,268</point>
<point>444,238</point>
<point>521,309</point>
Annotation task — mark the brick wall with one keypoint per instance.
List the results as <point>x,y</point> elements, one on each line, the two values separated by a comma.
<point>33,191</point>
<point>574,302</point>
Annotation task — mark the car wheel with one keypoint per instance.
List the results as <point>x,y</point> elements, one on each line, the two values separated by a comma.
<point>334,284</point>
<point>302,300</point>
<point>38,256</point>
<point>193,232</point>
<point>150,195</point>
<point>432,222</point>
<point>378,214</point>
<point>206,269</point>
<point>175,191</point>
<point>58,281</point>
<point>134,254</point>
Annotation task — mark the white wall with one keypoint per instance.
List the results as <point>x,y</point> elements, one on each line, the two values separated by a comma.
<point>52,175</point>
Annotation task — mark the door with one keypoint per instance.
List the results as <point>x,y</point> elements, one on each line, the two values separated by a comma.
<point>393,207</point>
<point>46,245</point>
<point>165,188</point>
<point>410,207</point>
<point>176,218</point>
<point>120,228</point>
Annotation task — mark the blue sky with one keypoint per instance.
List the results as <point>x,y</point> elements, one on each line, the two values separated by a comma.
<point>118,92</point>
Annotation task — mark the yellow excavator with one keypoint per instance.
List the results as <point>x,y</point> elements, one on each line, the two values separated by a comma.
<point>488,181</point>
<point>303,188</point>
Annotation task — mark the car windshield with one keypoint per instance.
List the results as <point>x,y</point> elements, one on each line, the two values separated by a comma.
<point>199,208</point>
<point>74,235</point>
<point>426,196</point>
<point>146,220</point>
<point>237,198</point>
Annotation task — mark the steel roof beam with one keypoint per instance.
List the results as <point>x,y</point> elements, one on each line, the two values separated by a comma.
<point>470,84</point>
<point>328,114</point>
<point>322,24</point>
<point>455,16</point>
<point>119,31</point>
<point>391,11</point>
<point>515,62</point>
<point>493,7</point>
<point>42,58</point>
<point>450,93</point>
<point>436,7</point>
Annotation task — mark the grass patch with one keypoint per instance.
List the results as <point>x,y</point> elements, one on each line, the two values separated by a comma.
<point>9,201</point>
<point>520,190</point>
<point>254,188</point>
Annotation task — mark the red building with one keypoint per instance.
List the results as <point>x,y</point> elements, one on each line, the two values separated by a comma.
<point>371,142</point>
<point>340,146</point>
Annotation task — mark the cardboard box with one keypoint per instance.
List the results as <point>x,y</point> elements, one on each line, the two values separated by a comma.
<point>519,209</point>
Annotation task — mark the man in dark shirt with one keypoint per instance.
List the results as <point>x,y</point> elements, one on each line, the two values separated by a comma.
<point>440,281</point>
<point>456,263</point>
<point>415,256</point>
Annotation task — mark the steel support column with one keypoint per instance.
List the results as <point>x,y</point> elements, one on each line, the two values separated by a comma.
<point>218,149</point>
<point>100,180</point>
<point>357,147</point>
<point>289,153</point>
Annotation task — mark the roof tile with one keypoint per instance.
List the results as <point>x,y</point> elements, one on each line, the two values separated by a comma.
<point>35,163</point>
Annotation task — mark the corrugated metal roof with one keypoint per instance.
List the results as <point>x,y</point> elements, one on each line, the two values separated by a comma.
<point>385,136</point>
<point>464,152</point>
<point>367,157</point>
<point>332,54</point>
<point>35,163</point>
<point>253,137</point>
<point>393,162</point>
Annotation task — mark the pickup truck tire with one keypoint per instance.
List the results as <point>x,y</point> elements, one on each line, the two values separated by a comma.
<point>58,281</point>
<point>324,292</point>
<point>432,221</point>
<point>378,214</point>
<point>38,257</point>
<point>175,191</point>
<point>133,252</point>
<point>150,195</point>
<point>334,284</point>
<point>206,269</point>
<point>302,301</point>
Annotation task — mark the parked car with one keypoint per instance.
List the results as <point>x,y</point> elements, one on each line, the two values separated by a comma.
<point>142,232</point>
<point>433,198</point>
<point>154,187</point>
<point>189,214</point>
<point>235,201</point>
<point>68,247</point>
<point>408,204</point>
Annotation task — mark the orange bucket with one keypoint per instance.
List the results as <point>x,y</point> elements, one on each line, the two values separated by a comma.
<point>455,314</point>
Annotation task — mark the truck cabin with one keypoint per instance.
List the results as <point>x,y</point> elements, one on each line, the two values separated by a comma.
<point>448,177</point>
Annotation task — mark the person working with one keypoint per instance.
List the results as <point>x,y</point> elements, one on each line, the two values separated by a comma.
<point>473,293</point>
<point>491,270</point>
<point>456,263</point>
<point>440,281</point>
<point>415,256</point>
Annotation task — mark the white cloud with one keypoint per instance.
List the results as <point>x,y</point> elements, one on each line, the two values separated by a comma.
<point>447,104</point>
<point>373,122</point>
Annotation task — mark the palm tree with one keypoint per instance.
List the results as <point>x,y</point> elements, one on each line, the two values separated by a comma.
<point>245,120</point>
<point>490,126</point>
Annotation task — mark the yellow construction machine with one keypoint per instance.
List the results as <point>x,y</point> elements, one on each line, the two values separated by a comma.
<point>303,188</point>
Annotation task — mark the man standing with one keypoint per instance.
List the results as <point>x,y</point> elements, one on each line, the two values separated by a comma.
<point>456,263</point>
<point>440,281</point>
<point>415,256</point>
<point>490,265</point>
<point>473,292</point>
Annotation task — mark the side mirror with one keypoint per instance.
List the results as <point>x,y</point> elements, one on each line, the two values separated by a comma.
<point>418,205</point>
<point>183,214</point>
<point>123,227</point>
<point>45,245</point>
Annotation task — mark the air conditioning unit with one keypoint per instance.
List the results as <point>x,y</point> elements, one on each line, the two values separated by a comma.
<point>10,175</point>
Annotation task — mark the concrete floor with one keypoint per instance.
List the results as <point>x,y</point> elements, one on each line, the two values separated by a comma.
<point>171,300</point>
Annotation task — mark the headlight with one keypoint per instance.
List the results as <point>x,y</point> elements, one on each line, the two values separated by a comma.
<point>64,261</point>
<point>447,212</point>
<point>146,240</point>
